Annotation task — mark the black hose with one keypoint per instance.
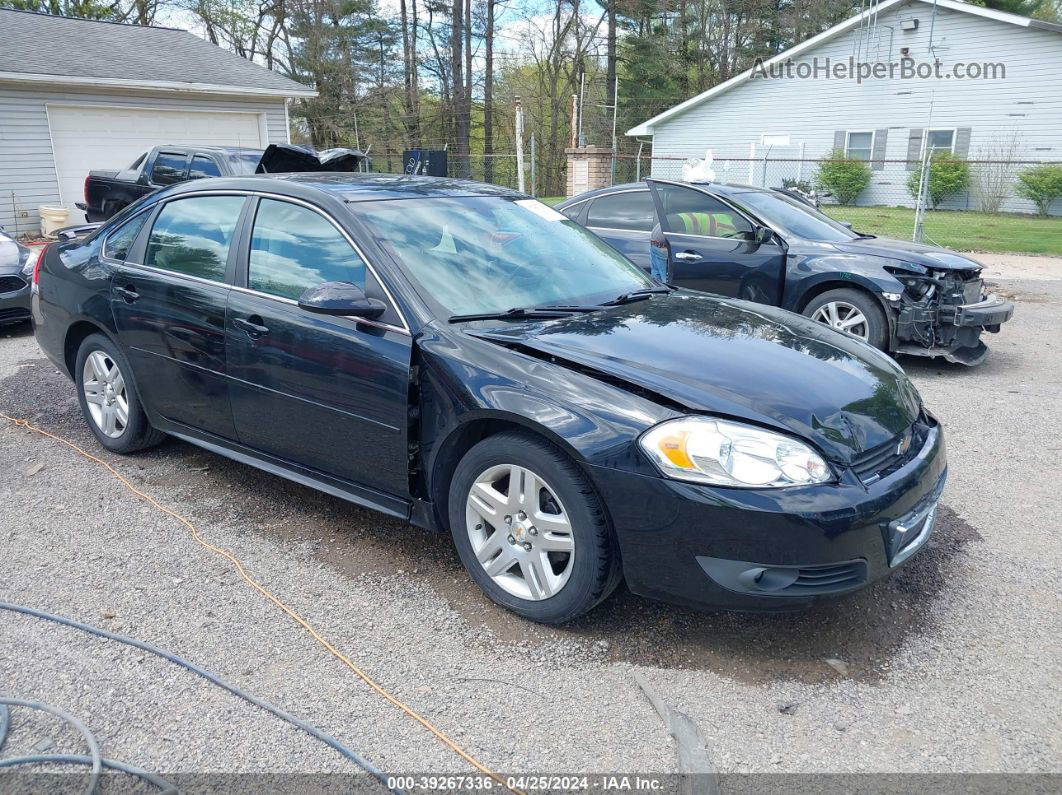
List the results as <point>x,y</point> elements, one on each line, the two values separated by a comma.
<point>353,756</point>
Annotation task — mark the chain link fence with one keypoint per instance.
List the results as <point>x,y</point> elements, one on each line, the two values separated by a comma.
<point>975,205</point>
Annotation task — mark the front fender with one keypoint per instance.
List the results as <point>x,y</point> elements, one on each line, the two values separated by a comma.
<point>810,273</point>
<point>463,381</point>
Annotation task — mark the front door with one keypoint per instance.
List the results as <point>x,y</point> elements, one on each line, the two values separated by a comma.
<point>711,246</point>
<point>168,301</point>
<point>327,393</point>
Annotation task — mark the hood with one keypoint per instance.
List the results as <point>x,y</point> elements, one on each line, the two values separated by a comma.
<point>918,253</point>
<point>737,359</point>
<point>288,158</point>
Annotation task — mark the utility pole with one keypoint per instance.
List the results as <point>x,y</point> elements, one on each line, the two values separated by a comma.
<point>615,107</point>
<point>533,191</point>
<point>519,144</point>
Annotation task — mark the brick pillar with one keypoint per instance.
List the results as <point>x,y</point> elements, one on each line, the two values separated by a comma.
<point>589,167</point>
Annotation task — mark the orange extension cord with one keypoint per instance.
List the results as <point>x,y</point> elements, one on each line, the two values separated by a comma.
<point>439,734</point>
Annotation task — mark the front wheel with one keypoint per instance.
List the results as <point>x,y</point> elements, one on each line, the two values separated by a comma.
<point>853,312</point>
<point>530,529</point>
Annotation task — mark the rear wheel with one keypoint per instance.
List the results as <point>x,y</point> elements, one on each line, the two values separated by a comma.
<point>530,529</point>
<point>853,312</point>
<point>109,400</point>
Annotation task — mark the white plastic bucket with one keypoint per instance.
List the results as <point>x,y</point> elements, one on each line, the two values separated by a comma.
<point>52,217</point>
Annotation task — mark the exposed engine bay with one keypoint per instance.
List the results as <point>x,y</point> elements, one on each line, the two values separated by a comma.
<point>943,312</point>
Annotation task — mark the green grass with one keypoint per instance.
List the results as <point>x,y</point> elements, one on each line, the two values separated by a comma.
<point>960,230</point>
<point>551,200</point>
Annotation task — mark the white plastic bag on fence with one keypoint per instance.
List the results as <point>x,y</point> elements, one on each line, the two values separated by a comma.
<point>694,170</point>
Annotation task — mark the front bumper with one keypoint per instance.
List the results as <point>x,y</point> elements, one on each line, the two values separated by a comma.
<point>15,305</point>
<point>770,549</point>
<point>950,330</point>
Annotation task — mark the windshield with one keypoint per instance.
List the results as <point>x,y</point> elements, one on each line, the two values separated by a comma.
<point>488,254</point>
<point>794,217</point>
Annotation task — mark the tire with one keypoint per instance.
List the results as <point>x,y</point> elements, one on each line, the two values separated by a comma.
<point>874,328</point>
<point>578,579</point>
<point>94,373</point>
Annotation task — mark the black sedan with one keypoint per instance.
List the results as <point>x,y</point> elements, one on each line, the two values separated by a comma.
<point>773,247</point>
<point>468,359</point>
<point>16,270</point>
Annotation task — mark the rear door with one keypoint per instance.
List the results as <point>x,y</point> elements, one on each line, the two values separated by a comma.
<point>169,298</point>
<point>711,246</point>
<point>624,220</point>
<point>327,393</point>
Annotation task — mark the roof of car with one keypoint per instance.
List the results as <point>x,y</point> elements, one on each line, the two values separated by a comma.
<point>722,188</point>
<point>373,187</point>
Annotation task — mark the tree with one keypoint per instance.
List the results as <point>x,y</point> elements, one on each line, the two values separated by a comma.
<point>1041,185</point>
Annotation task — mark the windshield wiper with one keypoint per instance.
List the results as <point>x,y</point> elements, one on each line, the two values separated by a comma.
<point>865,237</point>
<point>518,313</point>
<point>637,295</point>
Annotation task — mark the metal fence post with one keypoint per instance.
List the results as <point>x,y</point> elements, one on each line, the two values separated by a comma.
<point>534,189</point>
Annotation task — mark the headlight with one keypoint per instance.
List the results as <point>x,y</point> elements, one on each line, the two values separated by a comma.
<point>726,453</point>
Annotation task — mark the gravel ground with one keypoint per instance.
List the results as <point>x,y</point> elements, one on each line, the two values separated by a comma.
<point>951,665</point>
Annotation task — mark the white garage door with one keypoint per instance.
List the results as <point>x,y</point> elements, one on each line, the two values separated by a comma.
<point>86,138</point>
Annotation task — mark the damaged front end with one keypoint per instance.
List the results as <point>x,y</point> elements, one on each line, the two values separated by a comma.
<point>943,313</point>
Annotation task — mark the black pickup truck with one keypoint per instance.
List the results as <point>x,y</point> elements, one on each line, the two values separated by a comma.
<point>108,192</point>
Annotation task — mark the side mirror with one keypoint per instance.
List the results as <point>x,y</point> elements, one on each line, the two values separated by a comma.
<point>847,225</point>
<point>341,298</point>
<point>761,235</point>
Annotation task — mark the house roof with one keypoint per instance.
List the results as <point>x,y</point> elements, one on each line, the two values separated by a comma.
<point>646,127</point>
<point>42,48</point>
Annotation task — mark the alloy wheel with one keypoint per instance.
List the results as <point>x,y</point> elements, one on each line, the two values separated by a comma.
<point>105,394</point>
<point>520,532</point>
<point>845,317</point>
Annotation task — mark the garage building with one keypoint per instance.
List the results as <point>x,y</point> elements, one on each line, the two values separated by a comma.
<point>77,95</point>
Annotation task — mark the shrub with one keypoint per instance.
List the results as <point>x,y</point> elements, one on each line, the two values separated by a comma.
<point>1041,184</point>
<point>948,176</point>
<point>842,176</point>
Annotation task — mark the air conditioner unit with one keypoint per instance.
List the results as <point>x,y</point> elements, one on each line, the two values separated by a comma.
<point>909,24</point>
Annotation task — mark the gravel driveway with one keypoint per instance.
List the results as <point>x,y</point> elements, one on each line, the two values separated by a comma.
<point>952,665</point>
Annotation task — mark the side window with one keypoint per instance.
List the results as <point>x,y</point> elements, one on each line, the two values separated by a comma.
<point>628,210</point>
<point>859,145</point>
<point>294,248</point>
<point>117,244</point>
<point>690,212</point>
<point>203,166</point>
<point>192,235</point>
<point>573,212</point>
<point>169,168</point>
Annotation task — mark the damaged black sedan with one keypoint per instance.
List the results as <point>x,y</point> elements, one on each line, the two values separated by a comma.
<point>469,360</point>
<point>769,246</point>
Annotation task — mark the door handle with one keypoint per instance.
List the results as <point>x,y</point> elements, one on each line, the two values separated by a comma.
<point>253,326</point>
<point>688,256</point>
<point>128,293</point>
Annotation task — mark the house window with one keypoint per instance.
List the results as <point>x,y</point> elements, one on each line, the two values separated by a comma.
<point>859,145</point>
<point>941,141</point>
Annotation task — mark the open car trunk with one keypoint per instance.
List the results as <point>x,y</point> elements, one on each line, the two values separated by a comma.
<point>288,158</point>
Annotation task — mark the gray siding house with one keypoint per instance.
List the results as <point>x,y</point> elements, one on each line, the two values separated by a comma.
<point>996,90</point>
<point>77,95</point>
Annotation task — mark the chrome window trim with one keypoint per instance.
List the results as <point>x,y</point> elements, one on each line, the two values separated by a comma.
<point>405,329</point>
<point>178,274</point>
